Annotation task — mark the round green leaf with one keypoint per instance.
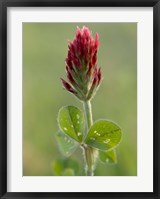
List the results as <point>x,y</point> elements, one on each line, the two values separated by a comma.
<point>104,135</point>
<point>109,157</point>
<point>66,144</point>
<point>71,122</point>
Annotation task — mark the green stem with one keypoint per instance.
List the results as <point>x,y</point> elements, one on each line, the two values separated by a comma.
<point>90,157</point>
<point>89,152</point>
<point>88,113</point>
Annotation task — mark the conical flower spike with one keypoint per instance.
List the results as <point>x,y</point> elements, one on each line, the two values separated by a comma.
<point>83,74</point>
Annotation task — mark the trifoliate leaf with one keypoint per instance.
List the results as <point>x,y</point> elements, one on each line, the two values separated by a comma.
<point>109,157</point>
<point>66,144</point>
<point>104,135</point>
<point>71,122</point>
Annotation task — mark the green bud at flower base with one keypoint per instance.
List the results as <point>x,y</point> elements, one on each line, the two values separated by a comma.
<point>83,74</point>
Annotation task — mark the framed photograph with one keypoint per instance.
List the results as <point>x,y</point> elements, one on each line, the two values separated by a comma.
<point>79,99</point>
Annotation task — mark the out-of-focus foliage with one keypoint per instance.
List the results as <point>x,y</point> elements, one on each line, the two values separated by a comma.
<point>65,167</point>
<point>44,52</point>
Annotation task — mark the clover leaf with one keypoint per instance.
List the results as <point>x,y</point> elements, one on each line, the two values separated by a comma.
<point>109,157</point>
<point>71,122</point>
<point>104,135</point>
<point>66,144</point>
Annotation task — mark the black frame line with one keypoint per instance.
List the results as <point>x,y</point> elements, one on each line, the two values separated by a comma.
<point>4,4</point>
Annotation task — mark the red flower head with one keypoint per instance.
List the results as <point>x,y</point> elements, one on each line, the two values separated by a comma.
<point>83,74</point>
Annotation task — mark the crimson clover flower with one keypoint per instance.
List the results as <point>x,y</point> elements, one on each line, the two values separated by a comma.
<point>83,74</point>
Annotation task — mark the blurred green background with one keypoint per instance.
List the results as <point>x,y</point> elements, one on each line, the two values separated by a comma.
<point>44,51</point>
